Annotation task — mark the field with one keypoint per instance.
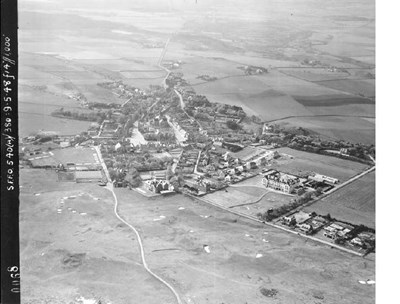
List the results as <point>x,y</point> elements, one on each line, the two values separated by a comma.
<point>234,196</point>
<point>75,155</point>
<point>31,123</point>
<point>82,251</point>
<point>354,203</point>
<point>331,100</point>
<point>357,87</point>
<point>89,252</point>
<point>314,74</point>
<point>92,47</point>
<point>98,258</point>
<point>303,162</point>
<point>353,129</point>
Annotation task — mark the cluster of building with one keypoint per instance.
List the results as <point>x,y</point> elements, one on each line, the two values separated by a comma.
<point>157,129</point>
<point>253,70</point>
<point>172,64</point>
<point>188,160</point>
<point>281,181</point>
<point>289,183</point>
<point>197,187</point>
<point>110,129</point>
<point>358,237</point>
<point>224,165</point>
<point>161,186</point>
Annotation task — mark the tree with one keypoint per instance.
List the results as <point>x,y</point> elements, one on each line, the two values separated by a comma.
<point>300,191</point>
<point>233,125</point>
<point>169,174</point>
<point>318,191</point>
<point>133,177</point>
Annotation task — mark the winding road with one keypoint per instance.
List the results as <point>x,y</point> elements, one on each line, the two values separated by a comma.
<point>142,254</point>
<point>141,247</point>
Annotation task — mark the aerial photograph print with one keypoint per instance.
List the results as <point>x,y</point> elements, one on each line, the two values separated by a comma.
<point>197,151</point>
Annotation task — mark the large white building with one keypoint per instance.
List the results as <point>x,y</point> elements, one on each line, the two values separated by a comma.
<point>280,181</point>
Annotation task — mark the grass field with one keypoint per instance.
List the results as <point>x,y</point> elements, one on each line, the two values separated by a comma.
<point>270,200</point>
<point>357,87</point>
<point>355,110</point>
<point>235,196</point>
<point>86,245</point>
<point>331,100</point>
<point>75,155</point>
<point>310,162</point>
<point>353,129</point>
<point>354,203</point>
<point>313,74</point>
<point>231,273</point>
<point>81,251</point>
<point>30,124</point>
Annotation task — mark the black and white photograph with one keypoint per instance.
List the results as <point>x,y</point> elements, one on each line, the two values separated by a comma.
<point>191,152</point>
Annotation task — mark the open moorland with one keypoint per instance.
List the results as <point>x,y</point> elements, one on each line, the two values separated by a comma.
<point>99,258</point>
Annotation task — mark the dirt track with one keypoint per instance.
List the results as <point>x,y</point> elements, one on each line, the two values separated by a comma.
<point>96,256</point>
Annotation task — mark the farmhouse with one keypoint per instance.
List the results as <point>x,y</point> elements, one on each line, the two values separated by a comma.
<point>280,181</point>
<point>88,176</point>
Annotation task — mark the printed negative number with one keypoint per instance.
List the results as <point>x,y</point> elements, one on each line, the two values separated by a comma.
<point>16,276</point>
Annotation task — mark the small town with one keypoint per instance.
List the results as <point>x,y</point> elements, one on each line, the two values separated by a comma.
<point>194,152</point>
<point>171,140</point>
